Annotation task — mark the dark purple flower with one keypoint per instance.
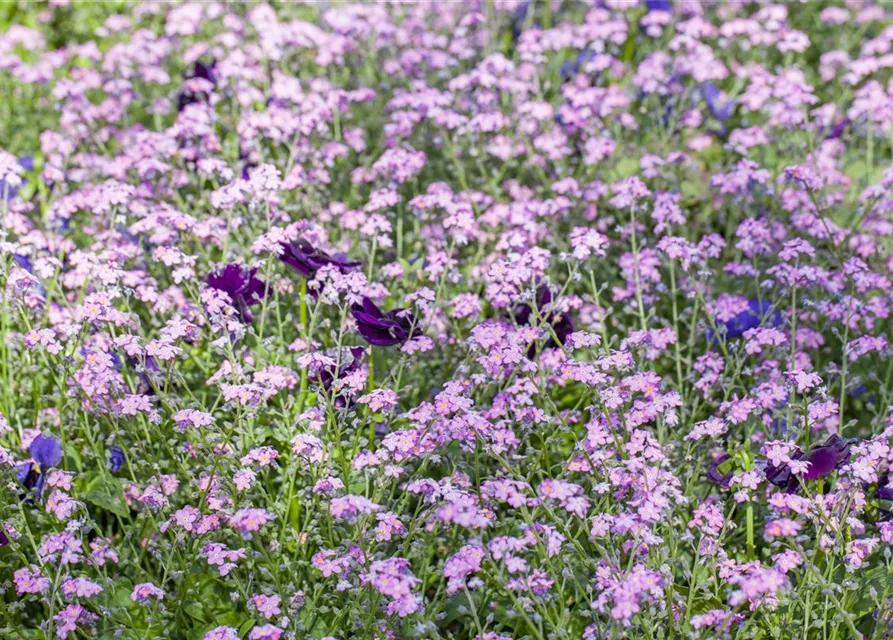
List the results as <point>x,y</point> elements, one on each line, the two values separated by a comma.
<point>562,323</point>
<point>46,453</point>
<point>885,489</point>
<point>4,540</point>
<point>188,96</point>
<point>306,259</point>
<point>837,129</point>
<point>116,459</point>
<point>383,329</point>
<point>519,19</point>
<point>711,94</point>
<point>715,476</point>
<point>241,285</point>
<point>347,361</point>
<point>823,459</point>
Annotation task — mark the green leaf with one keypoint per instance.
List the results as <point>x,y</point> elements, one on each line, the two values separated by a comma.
<point>196,610</point>
<point>245,628</point>
<point>106,493</point>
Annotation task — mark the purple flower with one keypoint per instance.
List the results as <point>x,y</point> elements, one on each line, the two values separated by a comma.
<point>885,491</point>
<point>306,259</point>
<point>347,361</point>
<point>46,453</point>
<point>383,329</point>
<point>189,94</point>
<point>823,459</point>
<point>562,324</point>
<point>836,130</point>
<point>716,476</point>
<point>241,285</point>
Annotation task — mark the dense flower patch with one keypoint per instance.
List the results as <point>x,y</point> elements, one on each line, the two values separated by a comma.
<point>470,320</point>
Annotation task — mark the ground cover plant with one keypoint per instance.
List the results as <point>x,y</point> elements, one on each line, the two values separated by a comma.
<point>461,320</point>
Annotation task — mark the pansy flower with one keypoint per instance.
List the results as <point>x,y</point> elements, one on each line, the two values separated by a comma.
<point>759,313</point>
<point>658,5</point>
<point>885,489</point>
<point>116,459</point>
<point>383,329</point>
<point>822,460</point>
<point>713,98</point>
<point>46,453</point>
<point>9,188</point>
<point>345,361</point>
<point>306,259</point>
<point>190,94</point>
<point>715,474</point>
<point>562,324</point>
<point>241,285</point>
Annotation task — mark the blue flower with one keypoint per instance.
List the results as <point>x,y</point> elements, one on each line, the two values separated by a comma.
<point>658,5</point>
<point>711,95</point>
<point>116,459</point>
<point>759,313</point>
<point>46,453</point>
<point>26,163</point>
<point>570,68</point>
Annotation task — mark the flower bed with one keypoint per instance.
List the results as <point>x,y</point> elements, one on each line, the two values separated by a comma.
<point>446,320</point>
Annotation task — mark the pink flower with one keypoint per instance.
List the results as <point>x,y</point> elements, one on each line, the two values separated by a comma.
<point>144,592</point>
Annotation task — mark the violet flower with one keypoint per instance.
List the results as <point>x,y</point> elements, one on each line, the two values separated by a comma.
<point>715,476</point>
<point>383,329</point>
<point>756,315</point>
<point>46,453</point>
<point>347,359</point>
<point>306,259</point>
<point>885,489</point>
<point>188,96</point>
<point>711,94</point>
<point>241,285</point>
<point>658,5</point>
<point>562,324</point>
<point>570,68</point>
<point>836,130</point>
<point>823,459</point>
<point>116,459</point>
<point>26,163</point>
